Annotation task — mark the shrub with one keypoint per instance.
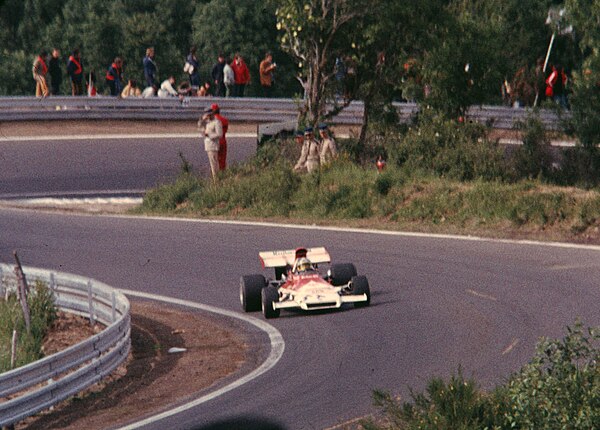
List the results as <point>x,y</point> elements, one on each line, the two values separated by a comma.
<point>558,389</point>
<point>29,346</point>
<point>448,149</point>
<point>533,158</point>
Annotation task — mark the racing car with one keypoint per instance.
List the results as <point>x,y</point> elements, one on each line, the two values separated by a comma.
<point>299,284</point>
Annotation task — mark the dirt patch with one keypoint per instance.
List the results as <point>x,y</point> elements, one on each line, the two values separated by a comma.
<point>153,378</point>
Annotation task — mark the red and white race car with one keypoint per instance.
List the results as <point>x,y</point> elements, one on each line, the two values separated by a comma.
<point>298,283</point>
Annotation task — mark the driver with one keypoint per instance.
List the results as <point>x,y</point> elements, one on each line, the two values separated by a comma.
<point>304,265</point>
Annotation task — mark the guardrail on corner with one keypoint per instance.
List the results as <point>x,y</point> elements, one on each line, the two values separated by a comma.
<point>46,382</point>
<point>260,110</point>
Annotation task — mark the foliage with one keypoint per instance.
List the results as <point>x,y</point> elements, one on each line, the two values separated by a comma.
<point>29,346</point>
<point>558,388</point>
<point>533,159</point>
<point>315,33</point>
<point>248,28</point>
<point>448,148</point>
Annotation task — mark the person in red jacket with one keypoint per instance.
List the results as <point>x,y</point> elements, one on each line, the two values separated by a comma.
<point>241,75</point>
<point>222,154</point>
<point>555,86</point>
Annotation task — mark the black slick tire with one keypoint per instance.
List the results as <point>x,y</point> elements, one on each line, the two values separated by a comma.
<point>342,273</point>
<point>360,285</point>
<point>270,295</point>
<point>250,288</point>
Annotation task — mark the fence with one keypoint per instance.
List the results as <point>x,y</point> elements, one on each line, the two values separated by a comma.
<point>237,110</point>
<point>44,383</point>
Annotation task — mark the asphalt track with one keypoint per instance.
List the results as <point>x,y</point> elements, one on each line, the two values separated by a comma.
<point>102,166</point>
<point>438,303</point>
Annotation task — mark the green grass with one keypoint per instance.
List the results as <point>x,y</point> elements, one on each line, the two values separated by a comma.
<point>29,345</point>
<point>348,192</point>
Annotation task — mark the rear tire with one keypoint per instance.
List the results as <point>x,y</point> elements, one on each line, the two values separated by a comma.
<point>269,296</point>
<point>250,288</point>
<point>360,285</point>
<point>342,273</point>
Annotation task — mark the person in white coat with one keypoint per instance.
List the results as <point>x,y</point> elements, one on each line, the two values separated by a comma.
<point>309,156</point>
<point>166,88</point>
<point>328,147</point>
<point>212,130</point>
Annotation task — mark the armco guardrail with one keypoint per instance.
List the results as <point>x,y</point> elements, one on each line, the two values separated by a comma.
<point>39,385</point>
<point>237,110</point>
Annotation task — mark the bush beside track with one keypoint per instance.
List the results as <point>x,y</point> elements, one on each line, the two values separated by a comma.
<point>440,178</point>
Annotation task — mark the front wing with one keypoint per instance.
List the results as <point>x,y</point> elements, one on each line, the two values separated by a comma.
<point>308,303</point>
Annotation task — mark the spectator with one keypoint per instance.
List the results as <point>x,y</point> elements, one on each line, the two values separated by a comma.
<point>75,72</point>
<point>228,78</point>
<point>218,77</point>
<point>114,77</point>
<point>299,136</point>
<point>556,85</point>
<point>222,155</point>
<point>309,156</point>
<point>192,68</point>
<point>266,68</point>
<point>212,131</point>
<point>328,147</point>
<point>40,70</point>
<point>150,69</point>
<point>131,90</point>
<point>523,91</point>
<point>91,85</point>
<point>540,81</point>
<point>241,75</point>
<point>167,89</point>
<point>184,89</point>
<point>55,72</point>
<point>204,90</point>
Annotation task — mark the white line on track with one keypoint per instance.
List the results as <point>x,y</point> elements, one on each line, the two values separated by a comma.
<point>482,295</point>
<point>362,231</point>
<point>510,347</point>
<point>116,137</point>
<point>277,348</point>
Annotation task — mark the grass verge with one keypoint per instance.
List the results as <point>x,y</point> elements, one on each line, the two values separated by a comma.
<point>350,194</point>
<point>29,345</point>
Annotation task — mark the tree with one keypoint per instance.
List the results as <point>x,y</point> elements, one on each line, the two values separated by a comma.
<point>315,33</point>
<point>248,28</point>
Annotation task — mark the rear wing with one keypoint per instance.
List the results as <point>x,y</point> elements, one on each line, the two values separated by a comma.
<point>288,257</point>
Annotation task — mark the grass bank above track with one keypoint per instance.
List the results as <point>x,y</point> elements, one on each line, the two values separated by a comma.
<point>345,193</point>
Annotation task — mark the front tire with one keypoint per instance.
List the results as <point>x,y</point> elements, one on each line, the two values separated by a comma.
<point>342,273</point>
<point>269,296</point>
<point>250,288</point>
<point>360,285</point>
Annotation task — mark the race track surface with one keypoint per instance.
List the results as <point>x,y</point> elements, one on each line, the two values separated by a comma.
<point>437,303</point>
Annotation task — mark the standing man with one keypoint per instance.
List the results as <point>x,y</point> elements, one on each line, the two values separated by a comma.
<point>328,147</point>
<point>223,141</point>
<point>218,76</point>
<point>266,68</point>
<point>241,74</point>
<point>192,68</point>
<point>40,70</point>
<point>210,127</point>
<point>55,72</point>
<point>228,78</point>
<point>75,72</point>
<point>114,77</point>
<point>309,156</point>
<point>150,69</point>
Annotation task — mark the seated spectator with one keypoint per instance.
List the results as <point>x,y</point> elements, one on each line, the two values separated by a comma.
<point>184,89</point>
<point>131,90</point>
<point>166,88</point>
<point>204,90</point>
<point>148,92</point>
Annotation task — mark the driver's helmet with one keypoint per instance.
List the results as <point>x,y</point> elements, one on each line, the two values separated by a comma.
<point>303,265</point>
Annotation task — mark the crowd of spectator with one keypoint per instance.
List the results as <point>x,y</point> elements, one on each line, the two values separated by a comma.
<point>228,78</point>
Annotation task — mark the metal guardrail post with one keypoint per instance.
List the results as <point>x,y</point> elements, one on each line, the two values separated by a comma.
<point>114,306</point>
<point>91,304</point>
